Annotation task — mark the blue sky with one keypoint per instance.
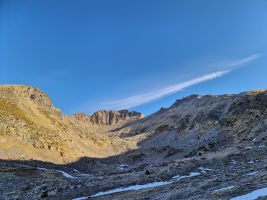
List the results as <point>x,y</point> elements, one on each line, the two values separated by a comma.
<point>139,54</point>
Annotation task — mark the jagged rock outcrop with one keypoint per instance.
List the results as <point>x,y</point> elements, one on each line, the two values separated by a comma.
<point>109,117</point>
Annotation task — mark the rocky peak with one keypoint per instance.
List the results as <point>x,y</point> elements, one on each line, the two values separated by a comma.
<point>37,96</point>
<point>186,99</point>
<point>82,117</point>
<point>28,93</point>
<point>108,117</point>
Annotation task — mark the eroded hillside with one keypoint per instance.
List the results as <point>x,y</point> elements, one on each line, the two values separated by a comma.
<point>196,125</point>
<point>32,128</point>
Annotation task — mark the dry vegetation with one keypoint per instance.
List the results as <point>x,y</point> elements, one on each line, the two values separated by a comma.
<point>29,120</point>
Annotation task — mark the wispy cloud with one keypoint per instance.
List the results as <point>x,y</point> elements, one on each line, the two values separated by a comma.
<point>137,100</point>
<point>241,62</point>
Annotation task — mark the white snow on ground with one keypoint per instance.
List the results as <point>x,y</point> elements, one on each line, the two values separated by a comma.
<point>76,170</point>
<point>41,168</point>
<point>80,198</point>
<point>178,177</point>
<point>204,170</point>
<point>148,185</point>
<point>252,195</point>
<point>65,174</point>
<point>133,187</point>
<point>122,166</point>
<point>252,173</point>
<point>261,146</point>
<point>248,148</point>
<point>223,189</point>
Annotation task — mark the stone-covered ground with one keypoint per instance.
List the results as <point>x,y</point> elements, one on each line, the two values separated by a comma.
<point>232,172</point>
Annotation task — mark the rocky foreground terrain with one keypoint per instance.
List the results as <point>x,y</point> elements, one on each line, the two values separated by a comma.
<point>202,147</point>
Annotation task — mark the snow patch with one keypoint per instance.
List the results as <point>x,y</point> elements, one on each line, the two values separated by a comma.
<point>148,185</point>
<point>122,166</point>
<point>65,174</point>
<point>133,187</point>
<point>252,173</point>
<point>204,170</point>
<point>80,198</point>
<point>178,177</point>
<point>76,171</point>
<point>223,189</point>
<point>41,168</point>
<point>252,195</point>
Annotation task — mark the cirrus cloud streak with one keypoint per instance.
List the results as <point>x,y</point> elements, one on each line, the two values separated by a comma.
<point>137,100</point>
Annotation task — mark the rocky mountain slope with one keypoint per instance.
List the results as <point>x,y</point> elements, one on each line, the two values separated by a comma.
<point>32,128</point>
<point>198,124</point>
<point>201,147</point>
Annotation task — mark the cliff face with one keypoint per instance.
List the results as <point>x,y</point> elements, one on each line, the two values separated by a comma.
<point>109,117</point>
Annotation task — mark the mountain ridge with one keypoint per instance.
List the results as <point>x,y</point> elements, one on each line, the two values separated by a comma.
<point>32,125</point>
<point>201,147</point>
<point>108,117</point>
<point>30,118</point>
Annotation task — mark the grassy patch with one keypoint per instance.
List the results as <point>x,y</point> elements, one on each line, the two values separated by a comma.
<point>8,108</point>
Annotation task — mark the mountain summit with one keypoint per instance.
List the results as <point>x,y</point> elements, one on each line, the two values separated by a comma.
<point>109,117</point>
